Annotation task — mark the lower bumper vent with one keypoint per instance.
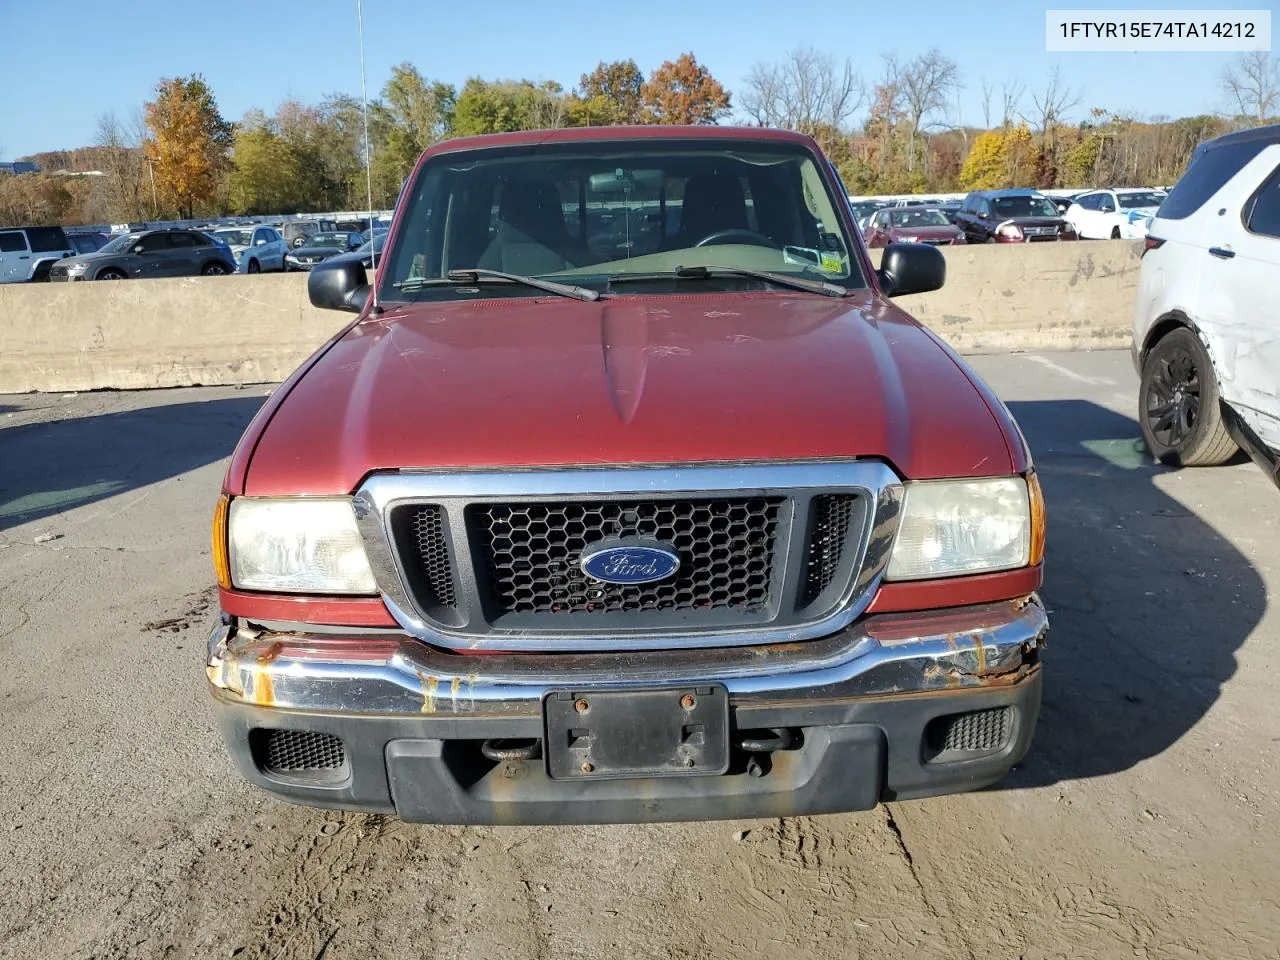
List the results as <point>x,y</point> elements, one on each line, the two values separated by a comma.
<point>960,736</point>
<point>300,754</point>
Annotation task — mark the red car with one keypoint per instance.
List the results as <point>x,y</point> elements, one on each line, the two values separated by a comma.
<point>627,495</point>
<point>913,225</point>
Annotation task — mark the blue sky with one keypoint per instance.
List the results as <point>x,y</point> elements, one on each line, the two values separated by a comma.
<point>91,58</point>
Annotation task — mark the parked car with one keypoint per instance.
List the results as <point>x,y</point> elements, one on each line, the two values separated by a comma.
<point>915,202</point>
<point>1206,328</point>
<point>864,222</point>
<point>864,208</point>
<point>913,225</point>
<point>1114,214</point>
<point>320,247</point>
<point>255,248</point>
<point>153,253</point>
<point>949,209</point>
<point>368,253</point>
<point>1011,216</point>
<point>90,242</point>
<point>296,232</point>
<point>1061,202</point>
<point>704,527</point>
<point>29,253</point>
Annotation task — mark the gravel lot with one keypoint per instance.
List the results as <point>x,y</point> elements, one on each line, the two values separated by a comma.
<point>1141,824</point>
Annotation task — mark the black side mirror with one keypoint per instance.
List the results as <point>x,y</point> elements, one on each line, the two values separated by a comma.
<point>982,215</point>
<point>338,285</point>
<point>909,268</point>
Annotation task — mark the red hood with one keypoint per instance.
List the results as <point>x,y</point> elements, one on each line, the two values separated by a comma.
<point>653,379</point>
<point>927,233</point>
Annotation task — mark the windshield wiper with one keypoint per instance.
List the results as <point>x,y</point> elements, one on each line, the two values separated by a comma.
<point>710,270</point>
<point>474,275</point>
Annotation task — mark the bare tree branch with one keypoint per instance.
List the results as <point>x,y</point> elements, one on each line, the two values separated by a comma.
<point>805,90</point>
<point>986,104</point>
<point>1253,82</point>
<point>1011,93</point>
<point>1052,103</point>
<point>927,82</point>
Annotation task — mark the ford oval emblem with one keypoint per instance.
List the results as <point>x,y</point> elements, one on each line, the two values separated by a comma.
<point>629,564</point>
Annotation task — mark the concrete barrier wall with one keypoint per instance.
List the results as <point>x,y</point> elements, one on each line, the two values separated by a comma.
<point>1036,296</point>
<point>134,334</point>
<point>225,330</point>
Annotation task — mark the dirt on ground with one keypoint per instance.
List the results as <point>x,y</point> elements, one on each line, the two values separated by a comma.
<point>1142,823</point>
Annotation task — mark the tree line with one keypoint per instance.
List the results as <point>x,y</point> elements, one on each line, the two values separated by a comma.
<point>899,132</point>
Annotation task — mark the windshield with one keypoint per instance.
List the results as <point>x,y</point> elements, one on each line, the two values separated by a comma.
<point>120,243</point>
<point>376,244</point>
<point>327,240</point>
<point>1006,207</point>
<point>1133,201</point>
<point>235,238</point>
<point>919,218</point>
<point>585,213</point>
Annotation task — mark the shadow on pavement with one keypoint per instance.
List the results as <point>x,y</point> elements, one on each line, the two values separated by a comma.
<point>1148,602</point>
<point>49,467</point>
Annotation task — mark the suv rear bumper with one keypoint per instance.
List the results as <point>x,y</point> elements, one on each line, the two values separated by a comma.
<point>877,709</point>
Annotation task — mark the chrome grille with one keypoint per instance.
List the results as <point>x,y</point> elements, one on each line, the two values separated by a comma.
<point>492,560</point>
<point>531,551</point>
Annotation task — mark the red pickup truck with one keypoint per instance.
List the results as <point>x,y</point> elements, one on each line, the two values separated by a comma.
<point>629,496</point>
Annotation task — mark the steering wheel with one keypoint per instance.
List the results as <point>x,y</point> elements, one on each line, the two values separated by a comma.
<point>739,236</point>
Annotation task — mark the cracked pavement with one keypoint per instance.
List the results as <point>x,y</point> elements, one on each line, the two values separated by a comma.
<point>1139,825</point>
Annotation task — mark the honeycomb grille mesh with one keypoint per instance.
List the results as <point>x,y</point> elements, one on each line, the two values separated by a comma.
<point>979,730</point>
<point>531,553</point>
<point>830,518</point>
<point>433,554</point>
<point>296,751</point>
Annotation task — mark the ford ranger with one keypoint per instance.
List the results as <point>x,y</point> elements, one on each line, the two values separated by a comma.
<point>627,495</point>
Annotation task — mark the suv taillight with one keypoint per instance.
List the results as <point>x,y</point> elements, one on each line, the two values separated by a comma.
<point>1151,243</point>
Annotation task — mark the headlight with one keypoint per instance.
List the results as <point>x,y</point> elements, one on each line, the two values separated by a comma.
<point>908,239</point>
<point>1011,230</point>
<point>951,527</point>
<point>302,545</point>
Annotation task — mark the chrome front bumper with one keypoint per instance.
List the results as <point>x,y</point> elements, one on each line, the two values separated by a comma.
<point>955,650</point>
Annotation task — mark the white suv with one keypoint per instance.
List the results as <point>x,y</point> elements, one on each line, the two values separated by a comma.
<point>1206,329</point>
<point>28,253</point>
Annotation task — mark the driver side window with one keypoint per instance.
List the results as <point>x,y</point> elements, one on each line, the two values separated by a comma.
<point>1106,204</point>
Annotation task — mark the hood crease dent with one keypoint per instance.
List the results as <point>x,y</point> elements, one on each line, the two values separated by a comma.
<point>537,382</point>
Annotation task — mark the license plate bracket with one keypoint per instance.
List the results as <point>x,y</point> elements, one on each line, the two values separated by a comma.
<point>622,734</point>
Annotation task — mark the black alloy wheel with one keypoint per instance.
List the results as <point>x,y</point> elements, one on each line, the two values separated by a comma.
<point>1179,412</point>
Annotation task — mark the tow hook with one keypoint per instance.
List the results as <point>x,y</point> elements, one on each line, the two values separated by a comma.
<point>759,746</point>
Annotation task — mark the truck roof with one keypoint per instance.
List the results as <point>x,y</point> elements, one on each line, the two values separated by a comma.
<point>640,132</point>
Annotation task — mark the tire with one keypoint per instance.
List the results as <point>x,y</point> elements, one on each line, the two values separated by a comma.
<point>1178,404</point>
<point>253,267</point>
<point>1115,233</point>
<point>110,273</point>
<point>214,269</point>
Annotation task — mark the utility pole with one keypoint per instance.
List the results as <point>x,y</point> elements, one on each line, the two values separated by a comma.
<point>151,167</point>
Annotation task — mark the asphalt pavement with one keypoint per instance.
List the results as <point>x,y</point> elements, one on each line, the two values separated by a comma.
<point>1142,823</point>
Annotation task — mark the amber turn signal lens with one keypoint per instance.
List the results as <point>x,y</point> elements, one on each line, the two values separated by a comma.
<point>1036,496</point>
<point>221,565</point>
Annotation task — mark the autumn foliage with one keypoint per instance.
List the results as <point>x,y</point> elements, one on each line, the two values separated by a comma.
<point>896,132</point>
<point>187,143</point>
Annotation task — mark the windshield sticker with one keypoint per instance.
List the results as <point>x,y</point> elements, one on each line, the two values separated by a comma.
<point>832,264</point>
<point>801,256</point>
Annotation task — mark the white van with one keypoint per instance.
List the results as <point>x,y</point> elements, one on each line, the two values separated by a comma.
<point>28,253</point>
